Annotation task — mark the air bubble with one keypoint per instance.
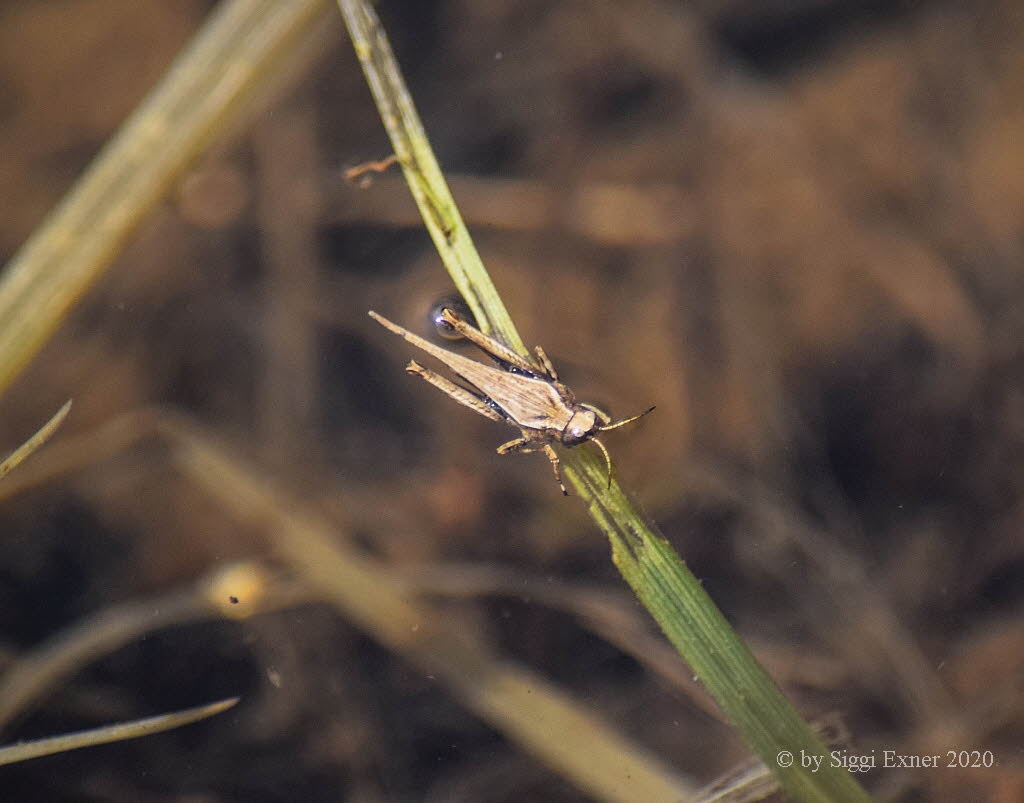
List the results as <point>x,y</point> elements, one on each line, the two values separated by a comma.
<point>454,302</point>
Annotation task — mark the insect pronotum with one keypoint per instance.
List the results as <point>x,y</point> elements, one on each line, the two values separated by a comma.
<point>525,395</point>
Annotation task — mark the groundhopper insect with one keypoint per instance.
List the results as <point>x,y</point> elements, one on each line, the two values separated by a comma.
<point>525,395</point>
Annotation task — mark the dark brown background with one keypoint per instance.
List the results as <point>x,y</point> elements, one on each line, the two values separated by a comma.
<point>795,227</point>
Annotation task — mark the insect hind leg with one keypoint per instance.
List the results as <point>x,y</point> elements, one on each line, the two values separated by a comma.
<point>489,345</point>
<point>460,394</point>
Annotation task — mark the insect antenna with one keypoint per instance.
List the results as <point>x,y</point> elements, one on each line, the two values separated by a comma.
<point>616,425</point>
<point>607,458</point>
<point>623,422</point>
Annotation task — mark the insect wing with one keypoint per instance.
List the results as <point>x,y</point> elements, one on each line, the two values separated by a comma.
<point>530,403</point>
<point>447,357</point>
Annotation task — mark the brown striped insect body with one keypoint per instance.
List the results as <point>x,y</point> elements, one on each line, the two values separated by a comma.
<point>528,396</point>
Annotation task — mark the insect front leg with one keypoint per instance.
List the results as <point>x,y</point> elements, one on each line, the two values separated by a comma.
<point>527,446</point>
<point>460,394</point>
<point>522,445</point>
<point>553,457</point>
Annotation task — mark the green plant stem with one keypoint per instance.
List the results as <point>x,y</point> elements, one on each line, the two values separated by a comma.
<point>424,176</point>
<point>704,638</point>
<point>660,579</point>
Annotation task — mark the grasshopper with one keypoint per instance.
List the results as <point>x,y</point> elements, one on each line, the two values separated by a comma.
<point>527,396</point>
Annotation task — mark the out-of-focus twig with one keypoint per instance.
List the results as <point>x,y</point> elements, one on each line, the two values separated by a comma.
<point>285,147</point>
<point>610,614</point>
<point>522,705</point>
<point>42,668</point>
<point>23,751</point>
<point>72,453</point>
<point>225,64</point>
<point>519,703</point>
<point>28,447</point>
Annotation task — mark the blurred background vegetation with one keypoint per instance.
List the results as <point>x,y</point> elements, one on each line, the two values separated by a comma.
<point>796,227</point>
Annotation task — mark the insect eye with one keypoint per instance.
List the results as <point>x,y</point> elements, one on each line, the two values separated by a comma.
<point>579,428</point>
<point>574,436</point>
<point>454,302</point>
